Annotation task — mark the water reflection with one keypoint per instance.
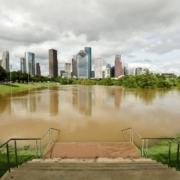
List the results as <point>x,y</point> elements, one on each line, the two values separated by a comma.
<point>117,97</point>
<point>89,113</point>
<point>53,102</point>
<point>82,100</point>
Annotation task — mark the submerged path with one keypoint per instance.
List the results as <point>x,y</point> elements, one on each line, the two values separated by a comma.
<point>90,150</point>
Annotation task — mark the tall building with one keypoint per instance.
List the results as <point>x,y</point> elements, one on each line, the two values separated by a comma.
<point>107,72</point>
<point>88,52</point>
<point>53,63</point>
<point>5,60</point>
<point>112,71</point>
<point>61,72</point>
<point>74,66</point>
<point>118,71</point>
<point>38,69</point>
<point>30,63</point>
<point>0,62</point>
<point>98,68</point>
<point>23,65</point>
<point>108,66</point>
<point>82,65</point>
<point>67,67</point>
<point>138,70</point>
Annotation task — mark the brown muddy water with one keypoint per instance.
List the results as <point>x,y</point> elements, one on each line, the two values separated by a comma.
<point>89,113</point>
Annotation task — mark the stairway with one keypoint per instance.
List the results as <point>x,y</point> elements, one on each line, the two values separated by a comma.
<point>126,168</point>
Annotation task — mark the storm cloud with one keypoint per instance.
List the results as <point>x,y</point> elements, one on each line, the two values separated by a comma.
<point>138,30</point>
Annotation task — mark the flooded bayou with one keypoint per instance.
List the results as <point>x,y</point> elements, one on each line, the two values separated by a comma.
<point>89,113</point>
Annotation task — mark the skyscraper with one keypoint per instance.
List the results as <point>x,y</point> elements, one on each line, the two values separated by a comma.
<point>88,52</point>
<point>82,65</point>
<point>53,63</point>
<point>5,60</point>
<point>38,69</point>
<point>74,66</point>
<point>30,63</point>
<point>118,70</point>
<point>108,66</point>
<point>107,73</point>
<point>67,67</point>
<point>98,68</point>
<point>22,65</point>
<point>138,70</point>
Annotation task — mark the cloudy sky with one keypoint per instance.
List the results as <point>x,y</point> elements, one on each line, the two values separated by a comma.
<point>145,33</point>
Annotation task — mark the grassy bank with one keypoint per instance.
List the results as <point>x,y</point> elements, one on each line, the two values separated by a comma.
<point>23,156</point>
<point>18,86</point>
<point>159,152</point>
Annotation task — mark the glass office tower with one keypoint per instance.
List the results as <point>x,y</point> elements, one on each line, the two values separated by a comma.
<point>30,63</point>
<point>23,65</point>
<point>82,65</point>
<point>88,52</point>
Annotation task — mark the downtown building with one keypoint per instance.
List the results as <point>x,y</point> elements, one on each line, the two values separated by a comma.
<point>88,52</point>
<point>22,65</point>
<point>53,63</point>
<point>67,71</point>
<point>82,65</point>
<point>67,67</point>
<point>0,62</point>
<point>107,71</point>
<point>29,63</point>
<point>118,68</point>
<point>98,68</point>
<point>5,60</point>
<point>38,69</point>
<point>74,66</point>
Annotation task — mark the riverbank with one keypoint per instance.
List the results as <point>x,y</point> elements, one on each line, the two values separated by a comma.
<point>19,86</point>
<point>159,152</point>
<point>24,155</point>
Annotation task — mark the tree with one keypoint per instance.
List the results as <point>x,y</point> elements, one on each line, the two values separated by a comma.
<point>2,74</point>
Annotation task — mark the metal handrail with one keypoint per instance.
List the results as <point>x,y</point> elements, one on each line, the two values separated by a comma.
<point>36,139</point>
<point>147,138</point>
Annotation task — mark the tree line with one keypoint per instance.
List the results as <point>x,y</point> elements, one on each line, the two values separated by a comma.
<point>147,80</point>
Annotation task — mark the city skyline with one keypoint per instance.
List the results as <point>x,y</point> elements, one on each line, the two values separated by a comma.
<point>145,33</point>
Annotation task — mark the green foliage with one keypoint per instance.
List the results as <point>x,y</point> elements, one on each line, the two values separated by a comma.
<point>159,152</point>
<point>2,74</point>
<point>144,81</point>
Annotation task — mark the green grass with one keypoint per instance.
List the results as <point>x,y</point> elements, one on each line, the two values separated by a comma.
<point>159,152</point>
<point>23,156</point>
<point>18,86</point>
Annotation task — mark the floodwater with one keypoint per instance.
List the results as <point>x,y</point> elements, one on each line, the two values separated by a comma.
<point>89,113</point>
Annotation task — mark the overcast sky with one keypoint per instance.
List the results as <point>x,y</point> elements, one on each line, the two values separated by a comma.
<point>144,33</point>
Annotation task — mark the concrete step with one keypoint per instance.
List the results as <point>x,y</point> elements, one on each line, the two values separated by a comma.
<point>168,174</point>
<point>91,160</point>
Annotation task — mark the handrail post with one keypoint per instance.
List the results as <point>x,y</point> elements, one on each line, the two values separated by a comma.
<point>36,149</point>
<point>142,149</point>
<point>169,153</point>
<point>146,148</point>
<point>132,135</point>
<point>15,149</point>
<point>49,137</point>
<point>177,158</point>
<point>8,162</point>
<point>40,148</point>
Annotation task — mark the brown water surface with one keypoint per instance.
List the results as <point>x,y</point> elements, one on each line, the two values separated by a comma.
<point>89,113</point>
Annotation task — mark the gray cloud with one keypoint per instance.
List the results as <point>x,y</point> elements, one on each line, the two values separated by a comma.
<point>145,61</point>
<point>109,27</point>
